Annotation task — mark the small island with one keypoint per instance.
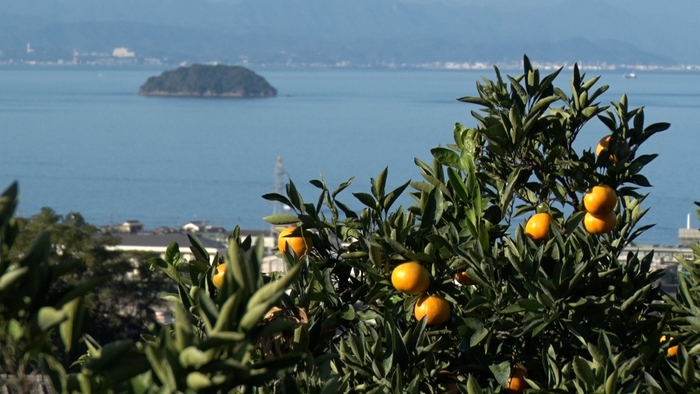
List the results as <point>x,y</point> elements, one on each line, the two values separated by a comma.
<point>201,80</point>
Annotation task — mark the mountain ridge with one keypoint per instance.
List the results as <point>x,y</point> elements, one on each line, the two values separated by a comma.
<point>303,32</point>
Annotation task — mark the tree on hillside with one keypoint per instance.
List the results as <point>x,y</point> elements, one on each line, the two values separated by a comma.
<point>120,308</point>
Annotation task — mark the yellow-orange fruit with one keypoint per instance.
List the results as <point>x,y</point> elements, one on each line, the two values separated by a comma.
<point>300,245</point>
<point>219,273</point>
<point>435,308</point>
<point>600,200</point>
<point>604,143</point>
<point>464,279</point>
<point>537,227</point>
<point>673,350</point>
<point>410,278</point>
<point>516,382</point>
<point>600,224</point>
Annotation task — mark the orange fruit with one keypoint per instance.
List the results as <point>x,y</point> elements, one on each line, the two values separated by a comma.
<point>300,245</point>
<point>516,382</point>
<point>464,279</point>
<point>604,143</point>
<point>537,227</point>
<point>673,350</point>
<point>219,273</point>
<point>600,200</point>
<point>410,278</point>
<point>436,308</point>
<point>600,224</point>
<point>449,380</point>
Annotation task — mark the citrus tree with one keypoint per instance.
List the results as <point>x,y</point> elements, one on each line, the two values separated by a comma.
<point>507,273</point>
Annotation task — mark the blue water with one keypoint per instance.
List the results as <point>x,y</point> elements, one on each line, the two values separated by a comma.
<point>80,139</point>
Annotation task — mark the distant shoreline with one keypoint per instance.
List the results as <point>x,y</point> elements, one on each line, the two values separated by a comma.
<point>448,66</point>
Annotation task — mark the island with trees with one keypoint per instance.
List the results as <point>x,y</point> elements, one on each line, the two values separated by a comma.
<point>208,81</point>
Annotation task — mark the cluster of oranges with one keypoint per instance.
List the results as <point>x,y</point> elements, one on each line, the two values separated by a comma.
<point>599,203</point>
<point>600,209</point>
<point>412,278</point>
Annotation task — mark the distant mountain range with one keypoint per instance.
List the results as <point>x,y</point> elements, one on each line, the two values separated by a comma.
<point>330,32</point>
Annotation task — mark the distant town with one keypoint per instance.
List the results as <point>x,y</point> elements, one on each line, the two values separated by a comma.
<point>123,56</point>
<point>134,238</point>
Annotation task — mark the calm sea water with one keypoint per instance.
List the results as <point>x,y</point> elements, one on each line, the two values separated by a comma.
<point>82,140</point>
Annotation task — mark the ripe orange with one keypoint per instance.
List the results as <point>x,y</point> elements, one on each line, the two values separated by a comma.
<point>516,382</point>
<point>436,308</point>
<point>219,273</point>
<point>673,350</point>
<point>464,279</point>
<point>604,143</point>
<point>410,278</point>
<point>600,200</point>
<point>600,224</point>
<point>300,245</point>
<point>537,227</point>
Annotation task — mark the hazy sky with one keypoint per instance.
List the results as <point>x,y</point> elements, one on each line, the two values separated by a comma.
<point>667,28</point>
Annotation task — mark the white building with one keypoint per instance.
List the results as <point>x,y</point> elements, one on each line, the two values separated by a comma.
<point>122,52</point>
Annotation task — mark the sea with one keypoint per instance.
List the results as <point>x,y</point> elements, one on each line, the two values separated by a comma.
<point>80,139</point>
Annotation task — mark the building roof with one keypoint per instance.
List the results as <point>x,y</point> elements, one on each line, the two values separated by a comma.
<point>163,240</point>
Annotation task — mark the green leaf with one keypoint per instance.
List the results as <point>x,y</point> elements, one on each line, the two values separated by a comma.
<point>431,211</point>
<point>197,381</point>
<point>379,184</point>
<point>446,157</point>
<point>501,372</point>
<point>366,199</point>
<point>281,218</point>
<point>272,288</point>
<point>390,198</point>
<point>657,127</point>
<point>473,386</point>
<point>583,371</point>
<point>49,317</point>
<point>295,197</point>
<point>198,250</point>
<point>332,385</point>
<point>11,277</point>
<point>478,336</point>
<point>172,254</point>
<point>611,383</point>
<point>71,328</point>
<point>240,268</point>
<point>8,203</point>
<point>458,185</point>
<point>278,198</point>
<point>193,357</point>
<point>342,187</point>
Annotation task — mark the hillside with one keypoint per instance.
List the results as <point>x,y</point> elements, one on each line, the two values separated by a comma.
<point>208,81</point>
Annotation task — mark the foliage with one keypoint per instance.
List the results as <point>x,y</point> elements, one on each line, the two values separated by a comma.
<point>120,308</point>
<point>219,341</point>
<point>572,311</point>
<point>208,80</point>
<point>31,306</point>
